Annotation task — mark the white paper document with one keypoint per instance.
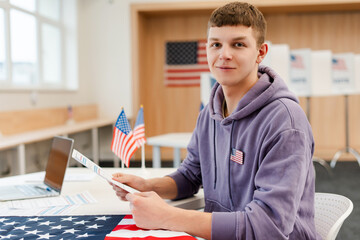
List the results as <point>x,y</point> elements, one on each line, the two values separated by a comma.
<point>61,205</point>
<point>69,177</point>
<point>48,211</point>
<point>98,170</point>
<point>77,199</point>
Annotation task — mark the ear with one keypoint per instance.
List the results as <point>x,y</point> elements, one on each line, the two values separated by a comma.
<point>263,50</point>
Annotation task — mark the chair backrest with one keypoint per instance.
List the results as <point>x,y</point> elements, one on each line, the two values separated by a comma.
<point>330,212</point>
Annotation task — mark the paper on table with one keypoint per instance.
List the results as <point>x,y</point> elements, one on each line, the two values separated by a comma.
<point>69,177</point>
<point>98,170</point>
<point>76,199</point>
<point>49,211</point>
<point>61,205</point>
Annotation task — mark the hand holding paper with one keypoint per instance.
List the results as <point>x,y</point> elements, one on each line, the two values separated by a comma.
<point>98,170</point>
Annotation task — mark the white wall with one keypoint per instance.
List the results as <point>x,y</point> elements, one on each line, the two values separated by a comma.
<point>105,52</point>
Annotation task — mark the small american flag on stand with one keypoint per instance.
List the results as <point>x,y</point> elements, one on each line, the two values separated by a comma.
<point>139,129</point>
<point>126,229</point>
<point>123,142</point>
<point>237,156</point>
<point>185,61</point>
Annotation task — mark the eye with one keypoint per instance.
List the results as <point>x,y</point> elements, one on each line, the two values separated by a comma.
<point>239,44</point>
<point>215,44</point>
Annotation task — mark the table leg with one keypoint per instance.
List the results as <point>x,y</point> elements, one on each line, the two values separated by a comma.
<point>95,145</point>
<point>177,157</point>
<point>156,157</point>
<point>21,158</point>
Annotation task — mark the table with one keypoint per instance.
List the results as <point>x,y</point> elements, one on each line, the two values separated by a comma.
<point>107,201</point>
<point>20,140</point>
<point>174,140</point>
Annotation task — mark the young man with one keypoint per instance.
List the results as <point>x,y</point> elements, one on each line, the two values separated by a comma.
<point>251,149</point>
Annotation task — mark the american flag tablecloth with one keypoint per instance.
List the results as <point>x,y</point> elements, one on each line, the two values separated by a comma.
<point>91,227</point>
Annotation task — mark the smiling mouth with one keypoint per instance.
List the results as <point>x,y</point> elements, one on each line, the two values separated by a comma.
<point>225,67</point>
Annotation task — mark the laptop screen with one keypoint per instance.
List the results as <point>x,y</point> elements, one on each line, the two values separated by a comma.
<point>60,153</point>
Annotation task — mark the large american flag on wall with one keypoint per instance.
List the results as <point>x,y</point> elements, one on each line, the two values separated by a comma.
<point>184,63</point>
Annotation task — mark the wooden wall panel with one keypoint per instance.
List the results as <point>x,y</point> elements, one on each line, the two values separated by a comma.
<point>13,122</point>
<point>354,122</point>
<point>167,109</point>
<point>327,119</point>
<point>176,109</point>
<point>339,32</point>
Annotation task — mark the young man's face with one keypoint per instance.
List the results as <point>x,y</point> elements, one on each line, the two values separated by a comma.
<point>233,55</point>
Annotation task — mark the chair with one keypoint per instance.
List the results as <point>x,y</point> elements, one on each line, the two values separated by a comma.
<point>330,212</point>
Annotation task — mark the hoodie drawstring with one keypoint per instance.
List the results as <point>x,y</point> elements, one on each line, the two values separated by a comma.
<point>229,173</point>
<point>214,147</point>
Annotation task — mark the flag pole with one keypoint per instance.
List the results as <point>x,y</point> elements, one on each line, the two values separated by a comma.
<point>143,156</point>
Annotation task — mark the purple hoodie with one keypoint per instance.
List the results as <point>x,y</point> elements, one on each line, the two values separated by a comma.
<point>270,195</point>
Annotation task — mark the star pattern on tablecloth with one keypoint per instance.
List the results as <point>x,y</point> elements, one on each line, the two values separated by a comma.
<point>57,227</point>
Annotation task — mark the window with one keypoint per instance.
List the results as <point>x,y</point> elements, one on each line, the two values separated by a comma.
<point>2,47</point>
<point>51,54</point>
<point>37,39</point>
<point>23,48</point>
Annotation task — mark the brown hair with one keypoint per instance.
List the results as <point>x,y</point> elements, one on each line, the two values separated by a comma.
<point>239,13</point>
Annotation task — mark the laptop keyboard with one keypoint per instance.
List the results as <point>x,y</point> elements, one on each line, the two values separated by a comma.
<point>30,190</point>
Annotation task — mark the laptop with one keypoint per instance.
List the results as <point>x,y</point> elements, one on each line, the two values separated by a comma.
<point>59,155</point>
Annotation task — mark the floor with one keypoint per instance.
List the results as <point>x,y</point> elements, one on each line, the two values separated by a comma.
<point>345,180</point>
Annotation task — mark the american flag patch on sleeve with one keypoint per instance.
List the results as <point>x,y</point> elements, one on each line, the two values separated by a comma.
<point>237,156</point>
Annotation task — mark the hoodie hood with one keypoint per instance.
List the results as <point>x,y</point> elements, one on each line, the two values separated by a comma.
<point>267,89</point>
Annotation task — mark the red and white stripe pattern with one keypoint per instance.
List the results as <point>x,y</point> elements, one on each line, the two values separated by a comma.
<point>237,156</point>
<point>187,75</point>
<point>139,135</point>
<point>123,142</point>
<point>139,129</point>
<point>126,229</point>
<point>123,145</point>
